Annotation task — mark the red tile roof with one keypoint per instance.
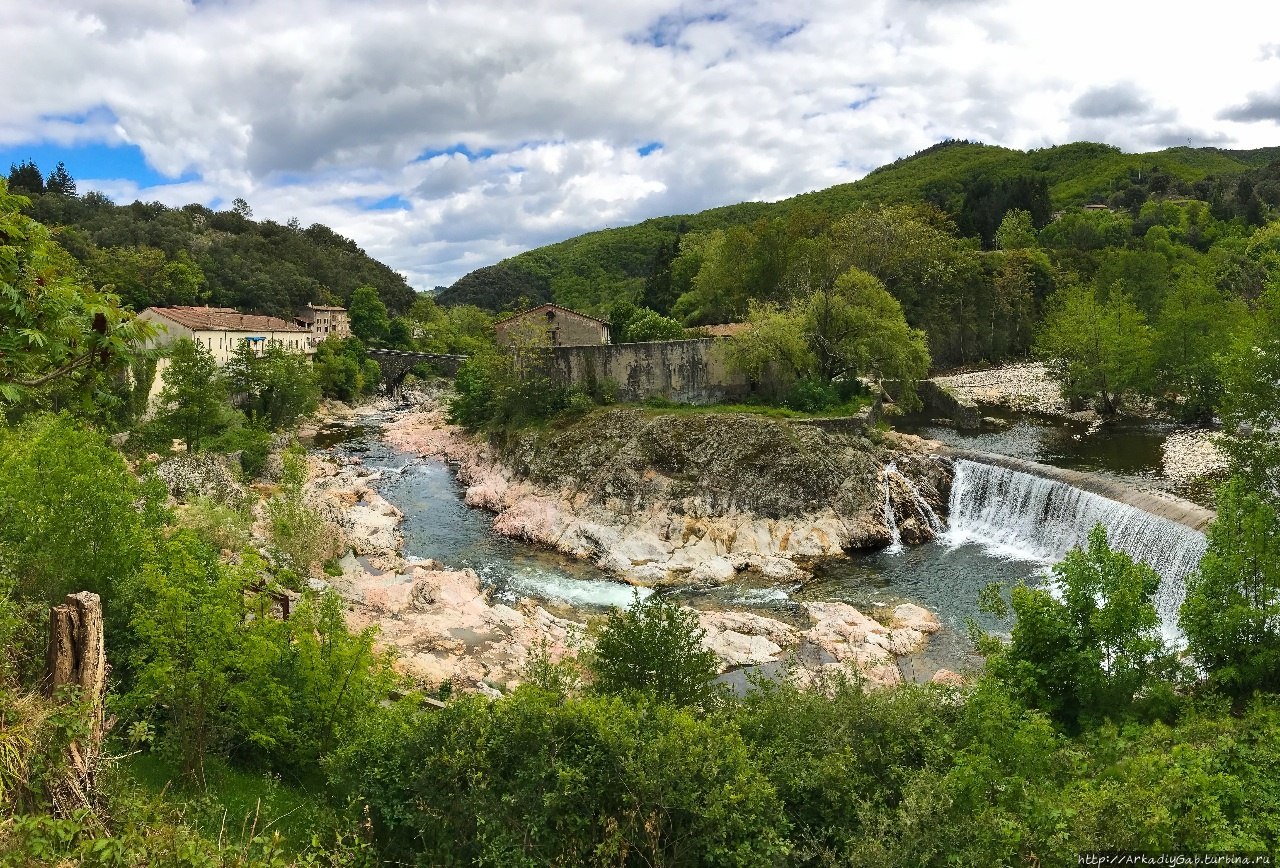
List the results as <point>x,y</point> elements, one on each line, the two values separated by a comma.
<point>218,319</point>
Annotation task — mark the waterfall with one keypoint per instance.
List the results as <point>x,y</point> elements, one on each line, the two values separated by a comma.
<point>1023,516</point>
<point>891,520</point>
<point>920,506</point>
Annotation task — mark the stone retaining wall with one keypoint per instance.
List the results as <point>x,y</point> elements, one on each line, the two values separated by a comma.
<point>688,372</point>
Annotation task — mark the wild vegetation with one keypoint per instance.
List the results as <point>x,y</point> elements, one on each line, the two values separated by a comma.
<point>243,738</point>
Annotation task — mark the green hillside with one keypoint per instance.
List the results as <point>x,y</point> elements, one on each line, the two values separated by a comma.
<point>973,183</point>
<point>151,254</point>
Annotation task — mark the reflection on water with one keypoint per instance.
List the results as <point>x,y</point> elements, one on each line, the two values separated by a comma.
<point>1128,449</point>
<point>1132,450</point>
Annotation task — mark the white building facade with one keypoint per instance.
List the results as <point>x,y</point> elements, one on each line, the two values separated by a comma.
<point>221,330</point>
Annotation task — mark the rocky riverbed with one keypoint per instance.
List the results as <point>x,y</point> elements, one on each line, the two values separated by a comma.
<point>1025,388</point>
<point>634,508</point>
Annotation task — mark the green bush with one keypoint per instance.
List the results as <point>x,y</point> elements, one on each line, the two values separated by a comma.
<point>73,516</point>
<point>535,780</point>
<point>222,527</point>
<point>299,534</point>
<point>1095,652</point>
<point>253,442</point>
<point>655,648</point>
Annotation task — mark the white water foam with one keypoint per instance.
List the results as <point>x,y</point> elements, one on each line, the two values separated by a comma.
<point>1017,515</point>
<point>575,592</point>
<point>891,520</point>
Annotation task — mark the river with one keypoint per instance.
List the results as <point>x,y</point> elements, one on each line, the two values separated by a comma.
<point>944,578</point>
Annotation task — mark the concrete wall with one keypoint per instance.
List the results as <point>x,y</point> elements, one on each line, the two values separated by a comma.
<point>690,372</point>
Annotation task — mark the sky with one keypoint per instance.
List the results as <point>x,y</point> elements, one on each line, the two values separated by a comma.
<point>444,136</point>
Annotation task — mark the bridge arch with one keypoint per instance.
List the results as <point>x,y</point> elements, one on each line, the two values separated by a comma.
<point>394,364</point>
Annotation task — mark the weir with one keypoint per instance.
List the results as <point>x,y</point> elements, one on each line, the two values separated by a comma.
<point>1166,506</point>
<point>1014,513</point>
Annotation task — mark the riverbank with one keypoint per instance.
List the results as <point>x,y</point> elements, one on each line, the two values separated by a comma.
<point>446,624</point>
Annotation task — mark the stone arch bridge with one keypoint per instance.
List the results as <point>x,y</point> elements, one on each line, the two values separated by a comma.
<point>396,363</point>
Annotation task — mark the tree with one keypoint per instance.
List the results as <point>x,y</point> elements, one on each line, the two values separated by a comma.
<point>849,328</point>
<point>1016,231</point>
<point>286,387</point>
<point>1090,653</point>
<point>368,315</point>
<point>654,647</point>
<point>55,325</point>
<point>241,207</point>
<point>342,369</point>
<point>400,334</point>
<point>1250,404</point>
<point>25,178</point>
<point>633,325</point>
<point>1196,323</point>
<point>1231,615</point>
<point>857,328</point>
<point>193,401</point>
<point>1095,350</point>
<point>73,516</point>
<point>144,277</point>
<point>60,181</point>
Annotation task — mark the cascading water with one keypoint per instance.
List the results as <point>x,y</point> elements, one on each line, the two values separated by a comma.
<point>1023,516</point>
<point>921,507</point>
<point>891,520</point>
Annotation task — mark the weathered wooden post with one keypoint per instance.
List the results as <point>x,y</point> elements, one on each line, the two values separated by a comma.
<point>77,657</point>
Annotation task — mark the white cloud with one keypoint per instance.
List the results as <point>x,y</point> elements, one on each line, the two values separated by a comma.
<point>319,108</point>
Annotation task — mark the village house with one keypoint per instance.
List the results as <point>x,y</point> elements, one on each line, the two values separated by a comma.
<point>564,327</point>
<point>323,320</point>
<point>220,330</point>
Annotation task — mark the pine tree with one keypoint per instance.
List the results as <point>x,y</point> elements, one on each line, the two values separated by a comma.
<point>25,178</point>
<point>60,181</point>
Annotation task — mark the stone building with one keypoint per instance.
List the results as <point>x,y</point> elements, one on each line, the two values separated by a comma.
<point>564,327</point>
<point>221,330</point>
<point>323,320</point>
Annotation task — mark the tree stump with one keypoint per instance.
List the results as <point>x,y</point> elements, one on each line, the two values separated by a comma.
<point>77,657</point>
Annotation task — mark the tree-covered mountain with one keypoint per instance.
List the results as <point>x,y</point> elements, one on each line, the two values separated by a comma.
<point>973,184</point>
<point>156,255</point>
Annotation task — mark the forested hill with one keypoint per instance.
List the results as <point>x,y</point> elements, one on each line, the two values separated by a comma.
<point>974,184</point>
<point>156,255</point>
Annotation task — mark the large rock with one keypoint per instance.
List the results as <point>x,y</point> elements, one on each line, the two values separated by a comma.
<point>444,627</point>
<point>202,474</point>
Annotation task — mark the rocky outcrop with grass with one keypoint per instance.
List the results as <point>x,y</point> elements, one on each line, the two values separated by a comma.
<point>686,497</point>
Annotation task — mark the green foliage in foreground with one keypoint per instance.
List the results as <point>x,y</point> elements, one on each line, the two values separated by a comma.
<point>73,516</point>
<point>1089,655</point>
<point>913,776</point>
<point>535,780</point>
<point>1232,611</point>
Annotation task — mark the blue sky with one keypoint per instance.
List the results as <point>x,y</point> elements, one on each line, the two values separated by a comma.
<point>446,136</point>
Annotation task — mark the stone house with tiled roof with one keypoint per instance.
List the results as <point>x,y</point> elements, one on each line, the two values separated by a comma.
<point>323,320</point>
<point>564,327</point>
<point>222,329</point>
